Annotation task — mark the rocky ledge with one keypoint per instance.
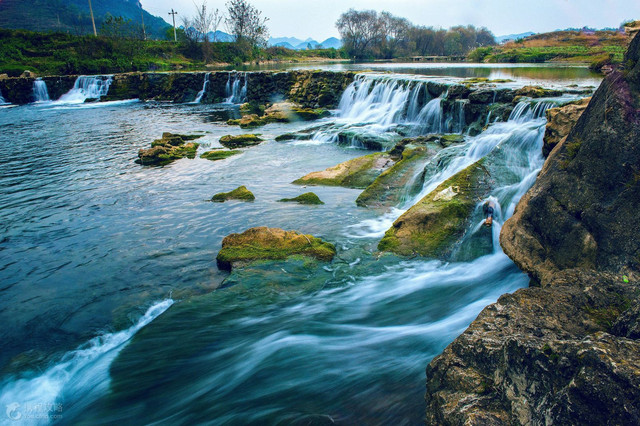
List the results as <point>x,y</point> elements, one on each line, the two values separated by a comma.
<point>565,350</point>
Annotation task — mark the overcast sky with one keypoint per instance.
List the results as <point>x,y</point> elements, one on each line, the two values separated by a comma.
<point>316,19</point>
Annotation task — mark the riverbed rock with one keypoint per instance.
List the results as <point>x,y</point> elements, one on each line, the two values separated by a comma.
<point>167,149</point>
<point>537,92</point>
<point>432,226</point>
<point>560,121</point>
<point>359,172</point>
<point>270,244</point>
<point>241,193</point>
<point>565,350</point>
<point>219,154</point>
<point>240,141</point>
<point>306,198</point>
<point>248,121</point>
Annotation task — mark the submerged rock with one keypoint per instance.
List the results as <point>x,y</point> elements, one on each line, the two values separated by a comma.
<point>270,244</point>
<point>248,121</point>
<point>560,121</point>
<point>219,154</point>
<point>240,141</point>
<point>306,198</point>
<point>356,173</point>
<point>241,193</point>
<point>169,148</point>
<point>433,225</point>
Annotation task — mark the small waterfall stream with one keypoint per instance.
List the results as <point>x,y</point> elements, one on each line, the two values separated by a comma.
<point>202,92</point>
<point>40,92</point>
<point>87,88</point>
<point>236,90</point>
<point>3,101</point>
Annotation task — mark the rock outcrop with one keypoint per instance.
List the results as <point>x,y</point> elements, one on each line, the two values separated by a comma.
<point>433,225</point>
<point>560,121</point>
<point>169,148</point>
<point>306,198</point>
<point>241,193</point>
<point>240,141</point>
<point>270,244</point>
<point>566,350</point>
<point>356,173</point>
<point>219,154</point>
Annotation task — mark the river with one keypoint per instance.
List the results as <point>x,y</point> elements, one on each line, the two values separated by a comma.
<point>113,307</point>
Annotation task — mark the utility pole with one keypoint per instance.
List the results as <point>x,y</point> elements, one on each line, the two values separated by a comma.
<point>144,33</point>
<point>93,21</point>
<point>173,15</point>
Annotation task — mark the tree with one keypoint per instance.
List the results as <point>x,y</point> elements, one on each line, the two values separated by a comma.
<point>360,31</point>
<point>246,24</point>
<point>394,31</point>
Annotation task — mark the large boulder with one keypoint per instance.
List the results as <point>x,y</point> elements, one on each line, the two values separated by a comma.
<point>432,226</point>
<point>240,141</point>
<point>566,350</point>
<point>560,121</point>
<point>356,173</point>
<point>241,193</point>
<point>270,244</point>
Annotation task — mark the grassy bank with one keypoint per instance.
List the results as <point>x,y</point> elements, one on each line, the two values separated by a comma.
<point>60,54</point>
<point>560,46</point>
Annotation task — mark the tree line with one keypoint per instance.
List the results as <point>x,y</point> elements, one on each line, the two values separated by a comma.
<point>367,34</point>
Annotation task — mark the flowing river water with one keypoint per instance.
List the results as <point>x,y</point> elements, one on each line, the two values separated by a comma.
<point>113,309</point>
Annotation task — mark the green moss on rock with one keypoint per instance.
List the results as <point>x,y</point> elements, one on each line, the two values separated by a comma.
<point>219,154</point>
<point>240,141</point>
<point>306,198</point>
<point>309,114</point>
<point>241,193</point>
<point>356,173</point>
<point>169,148</point>
<point>433,226</point>
<point>248,121</point>
<point>270,244</point>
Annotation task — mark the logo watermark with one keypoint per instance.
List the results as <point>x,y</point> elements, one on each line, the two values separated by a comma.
<point>34,411</point>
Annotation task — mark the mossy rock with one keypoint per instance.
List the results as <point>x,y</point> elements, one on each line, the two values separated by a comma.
<point>241,193</point>
<point>248,121</point>
<point>308,114</point>
<point>432,227</point>
<point>356,173</point>
<point>240,141</point>
<point>270,244</point>
<point>306,198</point>
<point>219,154</point>
<point>169,148</point>
<point>536,92</point>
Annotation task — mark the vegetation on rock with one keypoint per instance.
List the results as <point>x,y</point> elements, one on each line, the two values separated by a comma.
<point>270,244</point>
<point>432,226</point>
<point>356,173</point>
<point>169,148</point>
<point>560,121</point>
<point>241,193</point>
<point>240,141</point>
<point>219,154</point>
<point>306,198</point>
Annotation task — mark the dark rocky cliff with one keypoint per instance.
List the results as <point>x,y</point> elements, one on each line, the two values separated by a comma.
<point>566,350</point>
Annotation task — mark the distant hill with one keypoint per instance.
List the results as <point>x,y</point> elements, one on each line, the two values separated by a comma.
<point>72,16</point>
<point>220,36</point>
<point>509,37</point>
<point>297,44</point>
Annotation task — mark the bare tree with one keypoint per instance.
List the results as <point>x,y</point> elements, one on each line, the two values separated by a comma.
<point>215,24</point>
<point>246,24</point>
<point>360,31</point>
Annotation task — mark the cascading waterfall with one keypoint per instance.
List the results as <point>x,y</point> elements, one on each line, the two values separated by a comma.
<point>201,93</point>
<point>40,92</point>
<point>236,92</point>
<point>527,111</point>
<point>87,87</point>
<point>3,100</point>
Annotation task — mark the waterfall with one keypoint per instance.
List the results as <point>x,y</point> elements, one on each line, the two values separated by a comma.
<point>40,92</point>
<point>204,88</point>
<point>87,87</point>
<point>527,111</point>
<point>235,93</point>
<point>3,101</point>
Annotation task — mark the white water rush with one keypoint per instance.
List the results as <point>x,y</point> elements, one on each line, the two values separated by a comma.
<point>87,88</point>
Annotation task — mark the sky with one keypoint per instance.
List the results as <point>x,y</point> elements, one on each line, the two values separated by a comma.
<point>316,18</point>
